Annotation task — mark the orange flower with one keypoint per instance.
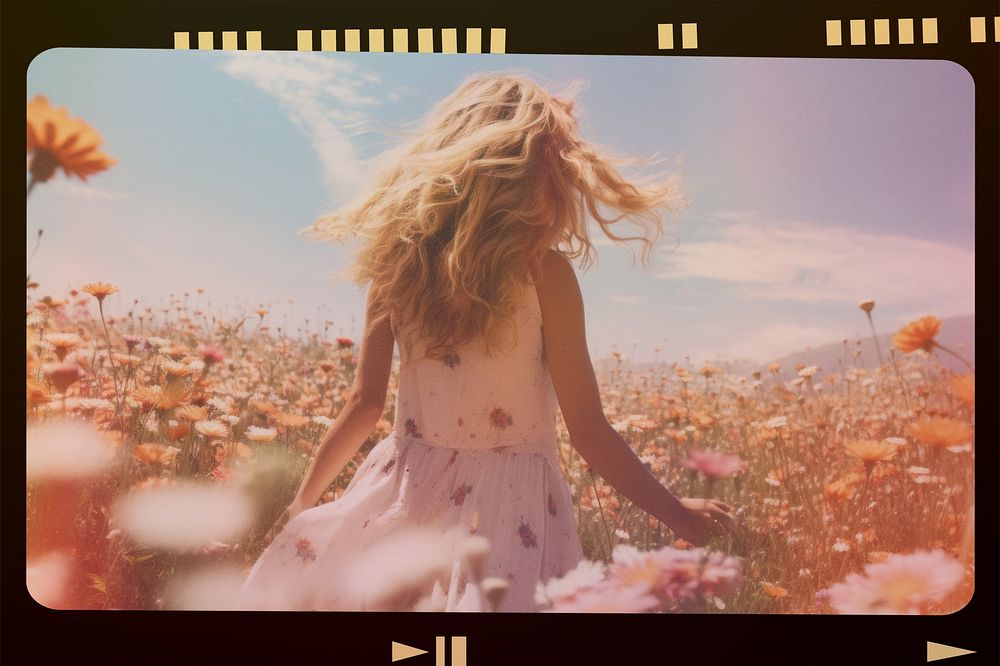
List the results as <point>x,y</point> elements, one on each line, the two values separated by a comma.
<point>38,393</point>
<point>965,388</point>
<point>63,343</point>
<point>156,454</point>
<point>774,591</point>
<point>291,420</point>
<point>870,450</point>
<point>193,413</point>
<point>843,488</point>
<point>173,395</point>
<point>940,431</point>
<point>178,430</point>
<point>263,407</point>
<point>918,334</point>
<point>56,140</point>
<point>99,290</point>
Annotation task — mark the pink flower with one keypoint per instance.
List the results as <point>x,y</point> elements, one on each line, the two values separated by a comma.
<point>902,585</point>
<point>677,576</point>
<point>609,597</point>
<point>714,464</point>
<point>584,576</point>
<point>211,354</point>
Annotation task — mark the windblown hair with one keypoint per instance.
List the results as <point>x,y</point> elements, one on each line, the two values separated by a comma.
<point>461,216</point>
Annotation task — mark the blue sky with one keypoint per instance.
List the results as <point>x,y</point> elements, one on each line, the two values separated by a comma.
<point>814,184</point>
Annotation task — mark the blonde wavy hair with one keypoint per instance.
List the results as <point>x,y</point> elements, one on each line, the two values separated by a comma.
<point>460,217</point>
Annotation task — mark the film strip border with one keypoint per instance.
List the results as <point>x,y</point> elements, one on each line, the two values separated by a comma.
<point>905,31</point>
<point>351,40</point>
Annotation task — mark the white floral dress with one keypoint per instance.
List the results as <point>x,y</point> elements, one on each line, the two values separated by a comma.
<point>473,450</point>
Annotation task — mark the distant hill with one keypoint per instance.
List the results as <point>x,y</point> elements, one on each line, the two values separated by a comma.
<point>957,333</point>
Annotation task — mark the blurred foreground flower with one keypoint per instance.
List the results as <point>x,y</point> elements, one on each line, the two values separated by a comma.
<point>901,585</point>
<point>65,449</point>
<point>940,431</point>
<point>47,578</point>
<point>641,581</point>
<point>184,516</point>
<point>677,576</point>
<point>387,574</point>
<point>57,141</point>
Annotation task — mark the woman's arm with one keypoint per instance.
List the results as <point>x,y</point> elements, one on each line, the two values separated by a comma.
<point>355,422</point>
<point>361,411</point>
<point>593,437</point>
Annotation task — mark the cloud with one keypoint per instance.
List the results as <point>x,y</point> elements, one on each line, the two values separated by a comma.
<point>322,95</point>
<point>83,191</point>
<point>809,263</point>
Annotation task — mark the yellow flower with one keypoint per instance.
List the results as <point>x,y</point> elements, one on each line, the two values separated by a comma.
<point>99,290</point>
<point>156,454</point>
<point>212,429</point>
<point>918,334</point>
<point>56,140</point>
<point>193,413</point>
<point>290,420</point>
<point>774,591</point>
<point>63,343</point>
<point>870,450</point>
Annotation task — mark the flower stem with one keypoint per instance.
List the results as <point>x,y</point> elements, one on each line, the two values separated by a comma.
<point>111,359</point>
<point>604,520</point>
<point>955,354</point>
<point>878,347</point>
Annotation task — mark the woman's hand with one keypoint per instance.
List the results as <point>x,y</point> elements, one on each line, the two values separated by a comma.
<point>703,519</point>
<point>294,509</point>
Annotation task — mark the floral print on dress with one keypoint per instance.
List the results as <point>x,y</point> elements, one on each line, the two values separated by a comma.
<point>454,482</point>
<point>411,428</point>
<point>501,418</point>
<point>452,360</point>
<point>304,550</point>
<point>528,538</point>
<point>458,497</point>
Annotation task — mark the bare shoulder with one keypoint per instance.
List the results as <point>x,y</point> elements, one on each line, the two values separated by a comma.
<point>557,282</point>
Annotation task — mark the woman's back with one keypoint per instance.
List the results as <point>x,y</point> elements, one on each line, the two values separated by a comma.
<point>470,400</point>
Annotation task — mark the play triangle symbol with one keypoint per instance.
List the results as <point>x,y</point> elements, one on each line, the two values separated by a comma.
<point>402,651</point>
<point>937,651</point>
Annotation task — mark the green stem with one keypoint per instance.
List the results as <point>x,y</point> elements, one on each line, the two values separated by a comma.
<point>956,355</point>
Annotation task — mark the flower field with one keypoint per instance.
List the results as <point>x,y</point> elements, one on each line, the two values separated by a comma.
<point>165,441</point>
